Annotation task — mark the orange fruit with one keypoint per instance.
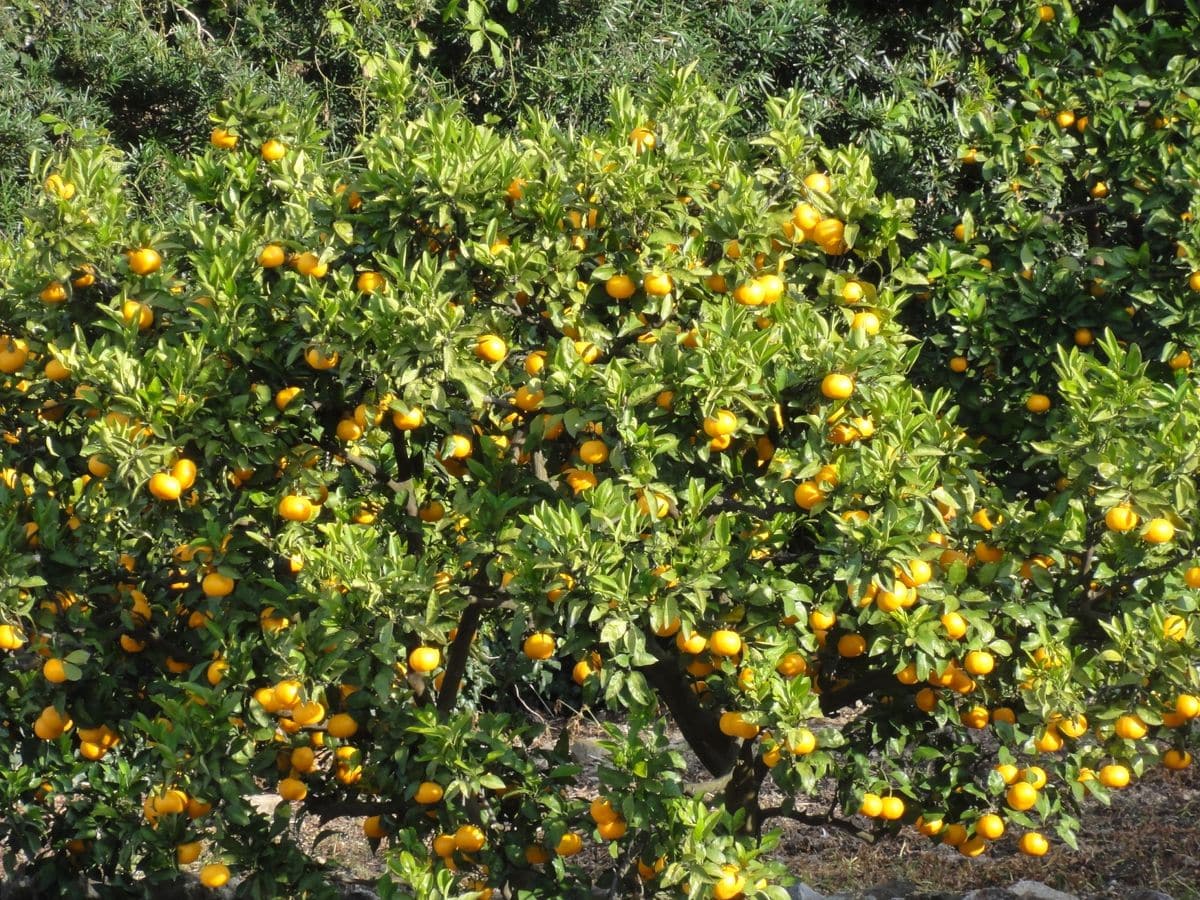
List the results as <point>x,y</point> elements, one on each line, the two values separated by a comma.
<point>428,793</point>
<point>569,844</point>
<point>871,806</point>
<point>612,830</point>
<point>836,386</point>
<point>272,256</point>
<point>1176,760</point>
<point>851,645</point>
<point>658,284</point>
<point>955,625</point>
<point>216,584</point>
<point>1021,796</point>
<point>1033,843</point>
<point>491,348</point>
<point>164,486</point>
<point>342,726</point>
<point>295,508</point>
<point>214,875</point>
<point>424,659</point>
<point>144,260</point>
<point>539,645</point>
<point>1130,727</point>
<point>1158,531</point>
<point>1037,403</point>
<point>891,808</point>
<point>1114,776</point>
<point>273,150</point>
<point>223,139</point>
<point>1121,518</point>
<point>370,282</point>
<point>469,839</point>
<point>807,495</point>
<point>620,287</point>
<point>979,662</point>
<point>722,423</point>
<point>990,826</point>
<point>725,643</point>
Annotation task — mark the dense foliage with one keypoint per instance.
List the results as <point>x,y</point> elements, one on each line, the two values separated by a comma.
<point>319,459</point>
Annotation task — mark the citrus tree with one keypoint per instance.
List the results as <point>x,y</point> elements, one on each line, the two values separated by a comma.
<point>311,482</point>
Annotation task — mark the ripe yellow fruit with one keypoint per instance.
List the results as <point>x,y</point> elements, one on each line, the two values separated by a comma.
<point>642,139</point>
<point>424,659</point>
<point>1037,403</point>
<point>223,139</point>
<point>491,348</point>
<point>13,354</point>
<point>593,452</point>
<point>958,364</point>
<point>1176,760</point>
<point>1158,531</point>
<point>539,645</point>
<point>370,282</point>
<point>1114,776</point>
<point>214,875</point>
<point>1131,727</point>
<point>990,826</point>
<point>867,321</point>
<point>892,808</point>
<point>722,423</point>
<point>458,447</point>
<point>54,292</point>
<point>342,726</point>
<point>12,637</point>
<point>215,584</point>
<point>818,181</point>
<point>871,806</point>
<point>569,844</point>
<point>1033,843</point>
<point>54,671</point>
<point>835,386</point>
<point>749,293</point>
<point>851,645</point>
<point>320,359</point>
<point>725,643</point>
<point>620,287</point>
<point>164,486</point>
<point>808,494</point>
<point>144,261</point>
<point>272,256</point>
<point>1187,706</point>
<point>955,625</point>
<point>295,508</point>
<point>134,312</point>
<point>273,150</point>
<point>1021,796</point>
<point>731,884</point>
<point>658,284</point>
<point>188,853</point>
<point>1121,518</point>
<point>469,839</point>
<point>411,420</point>
<point>661,504</point>
<point>428,793</point>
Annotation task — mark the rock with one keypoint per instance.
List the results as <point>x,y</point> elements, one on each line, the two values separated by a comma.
<point>801,891</point>
<point>1150,895</point>
<point>989,893</point>
<point>264,804</point>
<point>1035,890</point>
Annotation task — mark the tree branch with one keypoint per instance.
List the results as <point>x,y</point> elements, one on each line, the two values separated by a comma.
<point>715,750</point>
<point>456,658</point>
